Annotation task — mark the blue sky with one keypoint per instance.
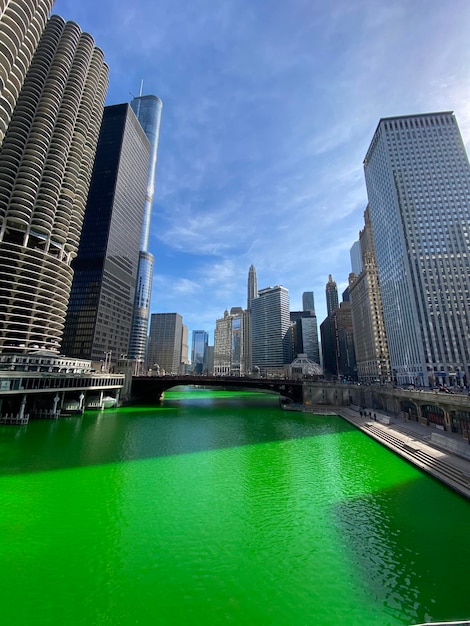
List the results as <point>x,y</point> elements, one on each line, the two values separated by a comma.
<point>268,109</point>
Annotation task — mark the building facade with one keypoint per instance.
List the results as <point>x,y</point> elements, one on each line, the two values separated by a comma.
<point>331,292</point>
<point>229,358</point>
<point>165,343</point>
<point>418,184</point>
<point>305,334</point>
<point>308,301</point>
<point>252,292</point>
<point>356,258</point>
<point>185,348</point>
<point>370,339</point>
<point>271,329</point>
<point>22,23</point>
<point>148,110</point>
<point>102,298</point>
<point>200,341</point>
<point>46,159</point>
<point>339,358</point>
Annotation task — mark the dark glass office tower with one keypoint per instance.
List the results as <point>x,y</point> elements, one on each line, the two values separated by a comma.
<point>100,309</point>
<point>148,110</point>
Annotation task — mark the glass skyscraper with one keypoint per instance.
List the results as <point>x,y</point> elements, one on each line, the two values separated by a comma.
<point>198,349</point>
<point>105,270</point>
<point>148,110</point>
<point>418,184</point>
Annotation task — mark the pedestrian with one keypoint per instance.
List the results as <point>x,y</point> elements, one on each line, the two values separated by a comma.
<point>360,413</point>
<point>370,414</point>
<point>375,417</point>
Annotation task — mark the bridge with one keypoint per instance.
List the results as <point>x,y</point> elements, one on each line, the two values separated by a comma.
<point>148,389</point>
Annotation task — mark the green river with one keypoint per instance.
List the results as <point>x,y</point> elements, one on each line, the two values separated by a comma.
<point>219,508</point>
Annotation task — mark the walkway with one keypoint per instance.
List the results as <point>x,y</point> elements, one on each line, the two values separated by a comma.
<point>413,442</point>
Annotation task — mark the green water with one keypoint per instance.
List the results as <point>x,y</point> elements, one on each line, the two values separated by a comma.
<point>218,508</point>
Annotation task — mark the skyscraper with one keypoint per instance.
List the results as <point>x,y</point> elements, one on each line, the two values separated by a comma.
<point>356,258</point>
<point>198,350</point>
<point>418,184</point>
<point>165,342</point>
<point>252,290</point>
<point>338,343</point>
<point>271,332</point>
<point>308,301</point>
<point>148,110</point>
<point>21,25</point>
<point>228,343</point>
<point>305,333</point>
<point>105,270</point>
<point>370,340</point>
<point>331,291</point>
<point>46,159</point>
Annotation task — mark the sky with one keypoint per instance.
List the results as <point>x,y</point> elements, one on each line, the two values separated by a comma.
<point>269,107</point>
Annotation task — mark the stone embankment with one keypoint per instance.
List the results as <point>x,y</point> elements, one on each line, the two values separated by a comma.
<point>442,456</point>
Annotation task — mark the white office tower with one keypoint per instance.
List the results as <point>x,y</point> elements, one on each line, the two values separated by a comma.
<point>271,334</point>
<point>418,184</point>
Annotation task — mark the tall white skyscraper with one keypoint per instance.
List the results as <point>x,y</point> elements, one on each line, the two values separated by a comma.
<point>271,332</point>
<point>418,183</point>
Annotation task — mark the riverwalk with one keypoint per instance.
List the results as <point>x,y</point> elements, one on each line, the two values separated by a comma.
<point>443,455</point>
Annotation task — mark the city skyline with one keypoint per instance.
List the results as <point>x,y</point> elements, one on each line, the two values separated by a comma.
<point>266,122</point>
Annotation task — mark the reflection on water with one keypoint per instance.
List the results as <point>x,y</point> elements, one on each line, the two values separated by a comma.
<point>220,508</point>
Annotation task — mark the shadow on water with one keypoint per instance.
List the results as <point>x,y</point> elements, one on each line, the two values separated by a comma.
<point>413,559</point>
<point>184,424</point>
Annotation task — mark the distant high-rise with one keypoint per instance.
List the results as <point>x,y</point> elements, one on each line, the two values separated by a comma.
<point>338,343</point>
<point>46,159</point>
<point>331,291</point>
<point>148,110</point>
<point>200,340</point>
<point>105,270</point>
<point>185,346</point>
<point>271,331</point>
<point>305,336</point>
<point>252,287</point>
<point>418,183</point>
<point>308,301</point>
<point>228,344</point>
<point>252,292</point>
<point>370,340</point>
<point>165,342</point>
<point>356,258</point>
